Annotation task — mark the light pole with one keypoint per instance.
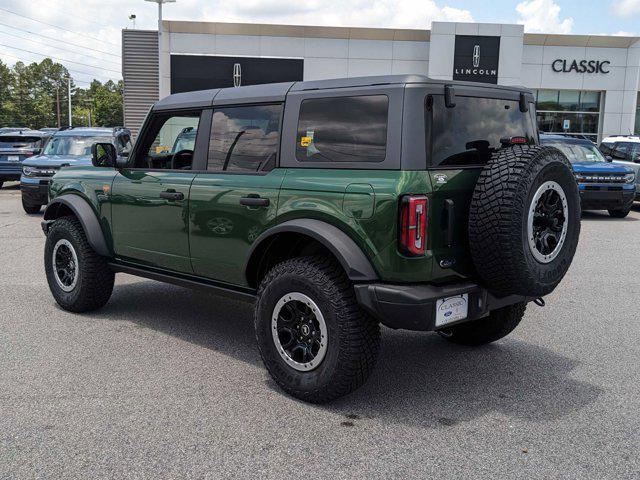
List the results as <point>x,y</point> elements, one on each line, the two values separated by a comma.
<point>69,96</point>
<point>132,17</point>
<point>160,3</point>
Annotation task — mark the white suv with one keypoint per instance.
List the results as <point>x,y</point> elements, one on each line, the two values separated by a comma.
<point>624,149</point>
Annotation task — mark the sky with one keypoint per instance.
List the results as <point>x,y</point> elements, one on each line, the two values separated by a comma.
<point>85,35</point>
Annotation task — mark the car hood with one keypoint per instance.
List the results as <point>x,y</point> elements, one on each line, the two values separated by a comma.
<point>600,167</point>
<point>57,161</point>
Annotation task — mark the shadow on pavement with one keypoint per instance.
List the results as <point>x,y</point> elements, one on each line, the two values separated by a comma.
<point>603,216</point>
<point>420,379</point>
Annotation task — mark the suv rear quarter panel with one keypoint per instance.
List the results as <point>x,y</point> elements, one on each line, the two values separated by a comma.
<point>330,195</point>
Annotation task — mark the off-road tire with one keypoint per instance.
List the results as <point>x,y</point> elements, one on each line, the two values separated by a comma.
<point>95,279</point>
<point>498,219</point>
<point>497,325</point>
<point>30,208</point>
<point>353,336</point>
<point>620,213</point>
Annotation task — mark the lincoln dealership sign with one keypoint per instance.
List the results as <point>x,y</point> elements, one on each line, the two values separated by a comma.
<point>580,66</point>
<point>475,58</point>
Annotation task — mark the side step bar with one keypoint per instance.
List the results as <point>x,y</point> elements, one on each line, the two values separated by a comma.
<point>188,281</point>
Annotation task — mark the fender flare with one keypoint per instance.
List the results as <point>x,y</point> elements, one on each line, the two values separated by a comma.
<point>355,263</point>
<point>87,217</point>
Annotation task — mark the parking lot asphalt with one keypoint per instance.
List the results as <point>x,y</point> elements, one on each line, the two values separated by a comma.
<point>166,382</point>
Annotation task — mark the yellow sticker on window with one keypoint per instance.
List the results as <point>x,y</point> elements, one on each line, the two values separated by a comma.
<point>162,149</point>
<point>306,141</point>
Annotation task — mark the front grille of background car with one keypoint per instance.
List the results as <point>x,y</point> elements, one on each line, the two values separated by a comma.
<point>46,172</point>
<point>601,178</point>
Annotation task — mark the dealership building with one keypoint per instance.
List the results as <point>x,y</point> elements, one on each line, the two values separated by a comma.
<point>584,84</point>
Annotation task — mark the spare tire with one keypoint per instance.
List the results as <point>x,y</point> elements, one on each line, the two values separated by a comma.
<point>524,220</point>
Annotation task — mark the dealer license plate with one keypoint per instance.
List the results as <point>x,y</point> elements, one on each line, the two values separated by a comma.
<point>452,309</point>
<point>13,158</point>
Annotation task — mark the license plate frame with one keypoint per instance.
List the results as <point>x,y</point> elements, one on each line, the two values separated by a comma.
<point>13,158</point>
<point>452,309</point>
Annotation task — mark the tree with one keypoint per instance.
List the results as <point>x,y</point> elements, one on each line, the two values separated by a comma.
<point>28,97</point>
<point>108,103</point>
<point>6,79</point>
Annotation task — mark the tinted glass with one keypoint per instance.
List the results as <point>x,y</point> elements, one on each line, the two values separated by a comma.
<point>245,139</point>
<point>606,148</point>
<point>621,151</point>
<point>343,129</point>
<point>470,132</point>
<point>74,146</point>
<point>19,142</point>
<point>155,147</point>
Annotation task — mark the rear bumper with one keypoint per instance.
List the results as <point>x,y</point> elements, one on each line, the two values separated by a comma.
<point>413,307</point>
<point>607,199</point>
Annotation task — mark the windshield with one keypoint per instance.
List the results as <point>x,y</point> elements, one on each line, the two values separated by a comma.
<point>580,153</point>
<point>19,142</point>
<point>184,142</point>
<point>73,146</point>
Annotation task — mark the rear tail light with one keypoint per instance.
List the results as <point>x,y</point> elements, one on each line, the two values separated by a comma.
<point>413,225</point>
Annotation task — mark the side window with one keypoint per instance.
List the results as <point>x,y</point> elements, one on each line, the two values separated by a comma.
<point>343,129</point>
<point>124,143</point>
<point>161,146</point>
<point>621,152</point>
<point>245,139</point>
<point>606,148</point>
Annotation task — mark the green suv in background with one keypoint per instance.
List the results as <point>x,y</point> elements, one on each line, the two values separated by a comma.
<point>335,206</point>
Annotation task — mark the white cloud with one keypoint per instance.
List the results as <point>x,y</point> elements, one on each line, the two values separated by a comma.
<point>543,16</point>
<point>99,23</point>
<point>356,13</point>
<point>626,8</point>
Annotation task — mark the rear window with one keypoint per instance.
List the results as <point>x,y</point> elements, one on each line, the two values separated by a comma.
<point>343,129</point>
<point>470,132</point>
<point>20,142</point>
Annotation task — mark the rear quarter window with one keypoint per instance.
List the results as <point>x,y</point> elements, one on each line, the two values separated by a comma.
<point>469,133</point>
<point>343,129</point>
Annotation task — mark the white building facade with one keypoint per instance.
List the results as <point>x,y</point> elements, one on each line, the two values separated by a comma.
<point>584,85</point>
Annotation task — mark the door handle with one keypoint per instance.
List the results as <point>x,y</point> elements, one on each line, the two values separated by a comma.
<point>254,200</point>
<point>171,194</point>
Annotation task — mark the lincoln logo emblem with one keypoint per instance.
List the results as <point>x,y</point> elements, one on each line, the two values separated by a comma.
<point>237,75</point>
<point>476,56</point>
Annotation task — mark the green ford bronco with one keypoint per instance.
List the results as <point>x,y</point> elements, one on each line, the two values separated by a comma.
<point>335,206</point>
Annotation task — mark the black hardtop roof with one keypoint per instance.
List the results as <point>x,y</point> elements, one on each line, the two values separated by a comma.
<point>277,92</point>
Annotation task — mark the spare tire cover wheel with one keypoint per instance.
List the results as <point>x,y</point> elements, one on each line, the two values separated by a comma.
<point>524,220</point>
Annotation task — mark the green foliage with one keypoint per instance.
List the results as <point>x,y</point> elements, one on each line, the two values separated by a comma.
<point>28,97</point>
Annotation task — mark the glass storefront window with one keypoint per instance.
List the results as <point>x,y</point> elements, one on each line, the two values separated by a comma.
<point>590,101</point>
<point>569,100</point>
<point>637,130</point>
<point>580,109</point>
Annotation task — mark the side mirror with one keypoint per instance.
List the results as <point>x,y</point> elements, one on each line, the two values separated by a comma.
<point>103,155</point>
<point>608,158</point>
<point>37,151</point>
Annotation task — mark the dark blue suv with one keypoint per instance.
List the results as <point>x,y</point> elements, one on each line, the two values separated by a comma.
<point>15,147</point>
<point>603,185</point>
<point>68,147</point>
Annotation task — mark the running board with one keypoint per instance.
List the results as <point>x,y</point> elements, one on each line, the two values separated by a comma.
<point>187,281</point>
